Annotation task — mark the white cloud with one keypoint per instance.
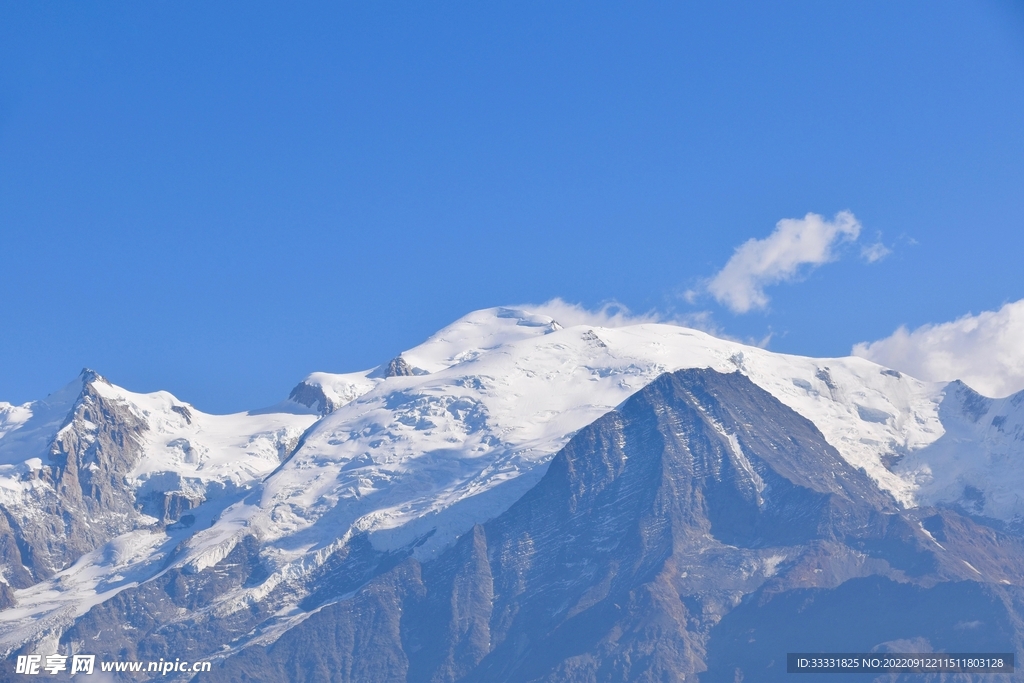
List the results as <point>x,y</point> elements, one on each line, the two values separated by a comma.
<point>873,253</point>
<point>705,322</point>
<point>780,257</point>
<point>615,314</point>
<point>986,351</point>
<point>611,314</point>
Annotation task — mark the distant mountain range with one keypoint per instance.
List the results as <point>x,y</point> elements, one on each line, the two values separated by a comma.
<point>514,500</point>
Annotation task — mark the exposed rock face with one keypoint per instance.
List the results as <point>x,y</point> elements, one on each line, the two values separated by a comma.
<point>313,397</point>
<point>15,566</point>
<point>861,615</point>
<point>7,598</point>
<point>152,613</point>
<point>169,506</point>
<point>81,496</point>
<point>398,367</point>
<point>698,533</point>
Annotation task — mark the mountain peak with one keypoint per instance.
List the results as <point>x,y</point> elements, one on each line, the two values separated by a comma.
<point>88,376</point>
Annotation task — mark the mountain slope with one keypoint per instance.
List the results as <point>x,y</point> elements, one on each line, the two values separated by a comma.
<point>225,532</point>
<point>626,561</point>
<point>95,478</point>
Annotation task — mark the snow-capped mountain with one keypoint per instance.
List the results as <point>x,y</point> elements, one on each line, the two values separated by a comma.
<point>644,553</point>
<point>111,496</point>
<point>93,460</point>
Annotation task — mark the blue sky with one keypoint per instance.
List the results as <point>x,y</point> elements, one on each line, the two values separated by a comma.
<point>217,199</point>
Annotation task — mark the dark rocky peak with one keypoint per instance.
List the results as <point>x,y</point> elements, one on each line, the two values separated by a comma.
<point>67,432</point>
<point>698,523</point>
<point>88,376</point>
<point>774,434</point>
<point>398,367</point>
<point>184,411</point>
<point>825,375</point>
<point>7,598</point>
<point>698,466</point>
<point>962,402</point>
<point>88,444</point>
<point>1008,416</point>
<point>643,532</point>
<point>715,454</point>
<point>313,397</point>
<point>64,401</point>
<point>92,414</point>
<point>77,403</point>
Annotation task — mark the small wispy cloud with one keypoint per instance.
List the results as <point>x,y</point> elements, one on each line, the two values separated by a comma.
<point>612,314</point>
<point>796,246</point>
<point>875,252</point>
<point>983,350</point>
<point>705,322</point>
